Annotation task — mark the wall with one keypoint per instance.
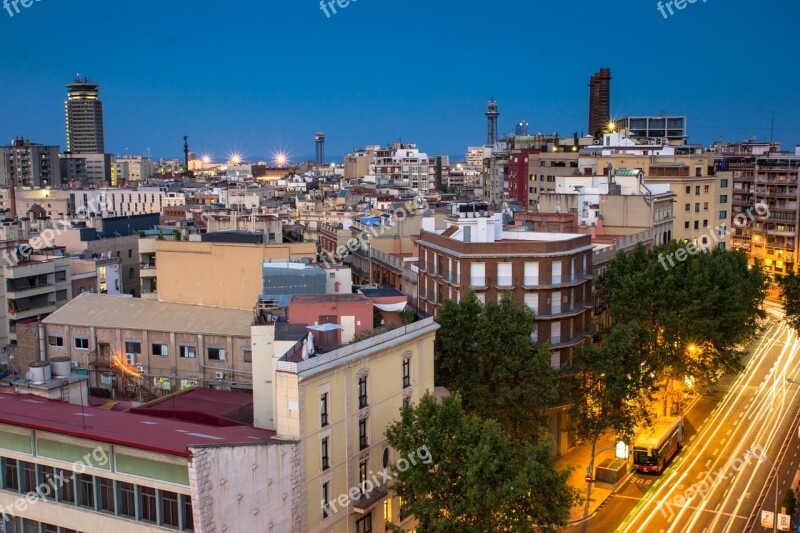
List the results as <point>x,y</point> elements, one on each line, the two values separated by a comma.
<point>184,267</point>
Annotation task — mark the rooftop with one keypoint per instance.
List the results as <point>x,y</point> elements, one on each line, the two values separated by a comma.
<point>202,406</point>
<point>172,437</point>
<point>324,298</point>
<point>105,311</point>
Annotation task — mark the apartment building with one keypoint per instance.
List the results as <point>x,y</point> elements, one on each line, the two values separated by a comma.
<point>138,473</point>
<point>703,199</point>
<point>29,164</point>
<point>357,163</point>
<point>763,175</point>
<point>405,165</point>
<point>338,406</point>
<point>139,348</point>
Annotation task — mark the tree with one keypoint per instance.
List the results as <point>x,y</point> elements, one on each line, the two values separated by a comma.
<point>476,479</point>
<point>790,295</point>
<point>485,352</point>
<point>698,311</point>
<point>613,388</point>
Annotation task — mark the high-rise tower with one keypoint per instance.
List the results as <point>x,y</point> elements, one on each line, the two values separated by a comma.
<point>599,101</point>
<point>319,138</point>
<point>492,114</point>
<point>84,114</point>
<point>521,129</point>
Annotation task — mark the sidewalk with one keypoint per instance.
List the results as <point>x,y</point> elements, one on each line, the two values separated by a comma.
<point>594,494</point>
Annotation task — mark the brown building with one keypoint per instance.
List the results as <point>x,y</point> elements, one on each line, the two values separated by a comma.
<point>599,101</point>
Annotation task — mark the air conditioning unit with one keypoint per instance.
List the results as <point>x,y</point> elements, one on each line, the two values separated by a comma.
<point>76,364</point>
<point>219,375</point>
<point>140,369</point>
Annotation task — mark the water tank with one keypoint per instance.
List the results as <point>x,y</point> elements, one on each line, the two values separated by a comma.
<point>40,372</point>
<point>62,367</point>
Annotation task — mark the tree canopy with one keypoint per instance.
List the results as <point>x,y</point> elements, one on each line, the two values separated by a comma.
<point>485,352</point>
<point>790,295</point>
<point>477,478</point>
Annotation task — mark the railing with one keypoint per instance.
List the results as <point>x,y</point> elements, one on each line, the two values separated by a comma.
<point>530,281</point>
<point>478,283</point>
<point>505,282</point>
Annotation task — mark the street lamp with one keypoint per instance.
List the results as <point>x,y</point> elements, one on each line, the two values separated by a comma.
<point>761,459</point>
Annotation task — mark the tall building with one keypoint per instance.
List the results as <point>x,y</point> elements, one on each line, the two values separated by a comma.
<point>492,114</point>
<point>84,114</point>
<point>29,164</point>
<point>319,139</point>
<point>521,129</point>
<point>672,128</point>
<point>599,100</point>
<point>405,165</point>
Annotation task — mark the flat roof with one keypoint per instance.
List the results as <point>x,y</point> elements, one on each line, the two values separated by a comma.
<point>106,311</point>
<point>320,298</point>
<point>171,437</point>
<point>202,406</point>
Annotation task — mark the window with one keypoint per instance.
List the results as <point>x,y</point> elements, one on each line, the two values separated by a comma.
<point>697,207</point>
<point>723,199</point>
<point>160,350</point>
<point>187,351</point>
<point>55,340</point>
<point>147,504</point>
<point>169,509</point>
<point>364,525</point>
<point>61,295</point>
<point>133,347</point>
<point>386,458</point>
<point>188,517</point>
<point>705,223</point>
<point>686,225</point>
<point>362,476</point>
<point>85,491</point>
<point>688,189</point>
<point>324,450</point>
<point>248,354</point>
<point>697,190</point>
<point>688,207</point>
<point>28,476</point>
<point>66,486</point>
<point>216,354</point>
<point>696,224</point>
<point>61,275</point>
<point>105,489</point>
<point>706,189</point>
<point>130,253</point>
<point>723,183</point>
<point>126,494</point>
<point>81,343</point>
<point>406,372</point>
<point>362,392</point>
<point>47,482</point>
<point>323,410</point>
<point>325,496</point>
<point>705,206</point>
<point>723,215</point>
<point>363,441</point>
<point>131,273</point>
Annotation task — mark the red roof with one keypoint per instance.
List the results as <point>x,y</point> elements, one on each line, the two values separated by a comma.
<point>125,429</point>
<point>202,406</point>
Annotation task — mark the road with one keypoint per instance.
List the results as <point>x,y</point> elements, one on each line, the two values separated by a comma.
<point>715,485</point>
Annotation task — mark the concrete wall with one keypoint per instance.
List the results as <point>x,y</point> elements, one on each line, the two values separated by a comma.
<point>184,270</point>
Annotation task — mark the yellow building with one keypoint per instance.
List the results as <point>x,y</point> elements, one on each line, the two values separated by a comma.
<point>185,268</point>
<point>338,406</point>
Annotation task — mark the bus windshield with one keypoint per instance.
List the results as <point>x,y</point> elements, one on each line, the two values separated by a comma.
<point>641,457</point>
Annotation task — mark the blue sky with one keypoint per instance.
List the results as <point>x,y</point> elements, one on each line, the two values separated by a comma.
<point>257,77</point>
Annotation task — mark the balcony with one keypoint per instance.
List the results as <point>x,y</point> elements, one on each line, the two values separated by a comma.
<point>367,501</point>
<point>563,311</point>
<point>478,283</point>
<point>530,282</point>
<point>505,282</point>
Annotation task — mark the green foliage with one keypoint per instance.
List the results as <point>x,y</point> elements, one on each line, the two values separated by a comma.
<point>790,502</point>
<point>477,479</point>
<point>364,335</point>
<point>485,352</point>
<point>790,294</point>
<point>409,316</point>
<point>178,235</point>
<point>710,302</point>
<point>612,389</point>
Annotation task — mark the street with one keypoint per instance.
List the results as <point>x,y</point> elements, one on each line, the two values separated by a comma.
<point>714,484</point>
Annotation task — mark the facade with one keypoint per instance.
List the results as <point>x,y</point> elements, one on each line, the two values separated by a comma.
<point>29,165</point>
<point>138,473</point>
<point>599,101</point>
<point>406,166</point>
<point>474,158</point>
<point>672,128</point>
<point>761,175</point>
<point>134,168</point>
<point>338,406</point>
<point>97,275</point>
<point>183,269</point>
<point>357,163</point>
<point>84,114</point>
<point>139,348</point>
<point>93,170</point>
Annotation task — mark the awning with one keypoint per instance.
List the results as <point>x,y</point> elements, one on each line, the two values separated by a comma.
<point>392,308</point>
<point>325,327</point>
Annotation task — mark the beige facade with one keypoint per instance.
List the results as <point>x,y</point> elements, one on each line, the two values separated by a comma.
<point>169,346</point>
<point>185,271</point>
<point>338,405</point>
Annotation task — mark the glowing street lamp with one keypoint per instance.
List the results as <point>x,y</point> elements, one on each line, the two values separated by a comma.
<point>612,126</point>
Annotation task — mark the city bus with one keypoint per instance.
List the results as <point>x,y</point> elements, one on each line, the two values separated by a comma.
<point>655,446</point>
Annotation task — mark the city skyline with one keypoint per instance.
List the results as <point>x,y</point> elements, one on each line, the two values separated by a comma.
<point>229,96</point>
